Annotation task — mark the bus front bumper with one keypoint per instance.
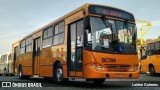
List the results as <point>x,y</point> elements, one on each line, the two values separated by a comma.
<point>91,73</point>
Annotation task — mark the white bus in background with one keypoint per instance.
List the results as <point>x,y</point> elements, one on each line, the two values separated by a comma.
<point>6,64</point>
<point>0,65</point>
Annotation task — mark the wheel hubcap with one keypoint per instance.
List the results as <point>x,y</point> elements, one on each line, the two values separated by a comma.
<point>59,74</point>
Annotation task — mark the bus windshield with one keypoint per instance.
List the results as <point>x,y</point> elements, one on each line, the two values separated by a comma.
<point>111,36</point>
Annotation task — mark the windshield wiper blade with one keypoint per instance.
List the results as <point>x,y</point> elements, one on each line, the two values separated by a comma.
<point>108,25</point>
<point>106,22</point>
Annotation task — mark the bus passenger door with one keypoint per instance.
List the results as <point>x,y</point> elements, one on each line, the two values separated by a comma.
<point>36,55</point>
<point>75,49</point>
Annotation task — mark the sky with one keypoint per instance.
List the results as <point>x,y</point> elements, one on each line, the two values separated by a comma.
<point>21,17</point>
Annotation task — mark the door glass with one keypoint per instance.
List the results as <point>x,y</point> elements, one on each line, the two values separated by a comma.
<point>73,43</point>
<point>15,52</point>
<point>79,45</point>
<point>76,46</point>
<point>35,44</point>
<point>38,46</point>
<point>36,54</point>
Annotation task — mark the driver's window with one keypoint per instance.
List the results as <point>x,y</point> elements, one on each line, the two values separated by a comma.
<point>89,37</point>
<point>157,48</point>
<point>120,29</point>
<point>113,26</point>
<point>130,28</point>
<point>131,32</point>
<point>114,31</point>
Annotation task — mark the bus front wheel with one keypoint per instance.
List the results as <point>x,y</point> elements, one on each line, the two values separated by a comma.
<point>58,74</point>
<point>152,70</point>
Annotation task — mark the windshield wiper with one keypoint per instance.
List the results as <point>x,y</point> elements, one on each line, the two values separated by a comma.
<point>114,42</point>
<point>106,23</point>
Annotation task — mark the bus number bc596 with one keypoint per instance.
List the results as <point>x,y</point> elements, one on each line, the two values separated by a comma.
<point>109,60</point>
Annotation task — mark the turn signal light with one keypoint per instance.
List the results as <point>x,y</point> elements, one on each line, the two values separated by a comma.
<point>96,66</point>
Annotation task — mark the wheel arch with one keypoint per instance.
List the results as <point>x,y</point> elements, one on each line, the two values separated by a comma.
<point>150,65</point>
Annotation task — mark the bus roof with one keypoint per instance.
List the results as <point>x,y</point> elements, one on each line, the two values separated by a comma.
<point>151,41</point>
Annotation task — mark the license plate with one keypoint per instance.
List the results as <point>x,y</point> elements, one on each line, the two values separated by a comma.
<point>119,75</point>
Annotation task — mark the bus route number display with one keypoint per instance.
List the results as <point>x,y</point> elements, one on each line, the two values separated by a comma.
<point>107,11</point>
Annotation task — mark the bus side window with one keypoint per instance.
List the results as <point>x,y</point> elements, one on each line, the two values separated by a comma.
<point>58,34</point>
<point>152,49</point>
<point>47,37</point>
<point>22,47</point>
<point>28,44</point>
<point>5,59</point>
<point>158,51</point>
<point>144,53</point>
<point>148,49</point>
<point>157,48</point>
<point>9,57</point>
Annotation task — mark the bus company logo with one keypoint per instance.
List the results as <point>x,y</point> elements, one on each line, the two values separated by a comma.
<point>109,60</point>
<point>6,84</point>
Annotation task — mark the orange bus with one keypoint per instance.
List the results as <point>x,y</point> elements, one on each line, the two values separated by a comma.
<point>93,42</point>
<point>150,57</point>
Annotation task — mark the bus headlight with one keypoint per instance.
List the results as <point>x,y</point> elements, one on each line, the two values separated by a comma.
<point>133,68</point>
<point>99,67</point>
<point>96,66</point>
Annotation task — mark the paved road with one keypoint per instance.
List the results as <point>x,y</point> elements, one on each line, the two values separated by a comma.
<point>80,84</point>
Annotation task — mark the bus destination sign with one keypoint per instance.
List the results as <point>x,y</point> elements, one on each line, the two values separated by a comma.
<point>107,11</point>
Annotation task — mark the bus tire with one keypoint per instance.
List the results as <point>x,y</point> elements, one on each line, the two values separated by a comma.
<point>58,74</point>
<point>98,81</point>
<point>152,70</point>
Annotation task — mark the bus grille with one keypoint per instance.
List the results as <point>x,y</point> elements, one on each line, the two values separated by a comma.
<point>117,68</point>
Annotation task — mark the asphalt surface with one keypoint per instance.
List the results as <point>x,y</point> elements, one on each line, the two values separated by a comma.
<point>81,84</point>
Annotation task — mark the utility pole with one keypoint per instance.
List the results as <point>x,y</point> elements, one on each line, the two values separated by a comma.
<point>144,28</point>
